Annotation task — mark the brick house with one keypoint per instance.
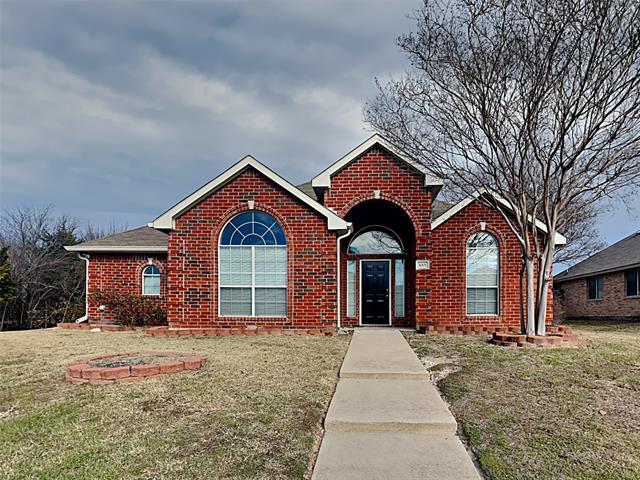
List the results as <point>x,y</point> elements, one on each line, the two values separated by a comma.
<point>366,242</point>
<point>605,286</point>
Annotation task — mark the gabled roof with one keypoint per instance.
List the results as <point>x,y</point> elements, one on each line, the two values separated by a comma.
<point>143,239</point>
<point>323,179</point>
<point>167,219</point>
<point>619,256</point>
<point>559,239</point>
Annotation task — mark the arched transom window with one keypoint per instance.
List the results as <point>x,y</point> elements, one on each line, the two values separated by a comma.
<point>151,280</point>
<point>375,242</point>
<point>253,267</point>
<point>482,274</point>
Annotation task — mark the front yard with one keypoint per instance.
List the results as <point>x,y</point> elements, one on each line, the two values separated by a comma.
<point>253,411</point>
<point>545,414</point>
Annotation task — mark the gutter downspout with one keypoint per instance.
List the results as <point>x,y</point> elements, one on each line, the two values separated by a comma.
<point>85,317</point>
<point>349,232</point>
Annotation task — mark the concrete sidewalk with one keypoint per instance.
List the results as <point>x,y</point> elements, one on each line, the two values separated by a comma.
<point>387,420</point>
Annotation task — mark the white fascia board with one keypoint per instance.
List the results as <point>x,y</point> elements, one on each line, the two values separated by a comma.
<point>102,248</point>
<point>167,219</point>
<point>559,238</point>
<point>323,179</point>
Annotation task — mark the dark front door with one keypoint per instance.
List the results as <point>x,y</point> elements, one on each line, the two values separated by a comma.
<point>375,292</point>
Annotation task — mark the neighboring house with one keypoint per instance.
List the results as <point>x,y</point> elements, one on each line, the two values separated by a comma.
<point>604,286</point>
<point>364,243</point>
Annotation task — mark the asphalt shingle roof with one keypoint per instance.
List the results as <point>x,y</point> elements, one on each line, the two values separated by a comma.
<point>308,190</point>
<point>438,207</point>
<point>138,238</point>
<point>619,256</point>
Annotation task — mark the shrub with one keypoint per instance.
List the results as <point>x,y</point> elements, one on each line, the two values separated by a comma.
<point>130,309</point>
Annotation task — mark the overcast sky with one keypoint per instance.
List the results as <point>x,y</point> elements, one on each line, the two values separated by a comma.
<point>114,111</point>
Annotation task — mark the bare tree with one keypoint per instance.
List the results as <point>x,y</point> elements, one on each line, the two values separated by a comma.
<point>536,101</point>
<point>47,278</point>
<point>47,281</point>
<point>583,238</point>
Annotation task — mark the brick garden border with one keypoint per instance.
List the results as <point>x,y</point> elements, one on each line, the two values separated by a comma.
<point>557,337</point>
<point>164,331</point>
<point>470,329</point>
<point>81,372</point>
<point>251,331</point>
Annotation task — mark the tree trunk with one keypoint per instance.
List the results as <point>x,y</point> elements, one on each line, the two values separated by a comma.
<point>4,312</point>
<point>531,303</point>
<point>544,272</point>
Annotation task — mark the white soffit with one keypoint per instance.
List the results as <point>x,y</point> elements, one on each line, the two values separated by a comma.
<point>167,219</point>
<point>323,179</point>
<point>559,238</point>
<point>107,248</point>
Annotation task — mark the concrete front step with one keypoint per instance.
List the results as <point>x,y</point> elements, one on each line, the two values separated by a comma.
<point>381,354</point>
<point>388,405</point>
<point>393,455</point>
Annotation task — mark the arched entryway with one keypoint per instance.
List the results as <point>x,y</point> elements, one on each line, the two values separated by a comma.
<point>378,261</point>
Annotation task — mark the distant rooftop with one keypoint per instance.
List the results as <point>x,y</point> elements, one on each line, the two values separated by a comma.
<point>619,256</point>
<point>143,239</point>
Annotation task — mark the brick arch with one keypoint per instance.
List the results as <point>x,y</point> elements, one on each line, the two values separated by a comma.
<point>417,229</point>
<point>163,274</point>
<point>232,212</point>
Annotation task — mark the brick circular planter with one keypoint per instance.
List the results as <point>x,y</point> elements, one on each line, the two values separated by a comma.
<point>84,372</point>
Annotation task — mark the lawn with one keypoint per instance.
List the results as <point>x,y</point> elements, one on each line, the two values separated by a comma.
<point>545,414</point>
<point>254,411</point>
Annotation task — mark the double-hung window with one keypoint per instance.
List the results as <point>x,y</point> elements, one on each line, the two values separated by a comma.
<point>482,274</point>
<point>253,267</point>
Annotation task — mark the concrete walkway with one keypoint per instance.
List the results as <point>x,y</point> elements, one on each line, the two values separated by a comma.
<point>387,420</point>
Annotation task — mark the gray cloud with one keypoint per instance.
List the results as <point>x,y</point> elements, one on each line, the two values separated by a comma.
<point>115,110</point>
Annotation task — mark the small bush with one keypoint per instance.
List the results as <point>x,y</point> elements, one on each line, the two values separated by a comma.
<point>130,309</point>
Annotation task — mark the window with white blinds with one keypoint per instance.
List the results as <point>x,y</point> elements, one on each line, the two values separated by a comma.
<point>253,267</point>
<point>351,288</point>
<point>151,281</point>
<point>482,274</point>
<point>398,293</point>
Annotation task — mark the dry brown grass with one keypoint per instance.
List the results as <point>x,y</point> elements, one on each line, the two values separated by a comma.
<point>546,414</point>
<point>252,412</point>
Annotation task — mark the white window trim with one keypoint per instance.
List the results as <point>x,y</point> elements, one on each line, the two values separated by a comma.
<point>404,287</point>
<point>388,260</point>
<point>351,288</point>
<point>466,280</point>
<point>253,285</point>
<point>159,275</point>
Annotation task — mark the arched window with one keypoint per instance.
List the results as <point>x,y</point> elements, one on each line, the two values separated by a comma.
<point>375,242</point>
<point>151,280</point>
<point>253,267</point>
<point>482,274</point>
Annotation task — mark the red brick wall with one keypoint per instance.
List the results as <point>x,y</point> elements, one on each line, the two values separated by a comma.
<point>404,187</point>
<point>435,296</point>
<point>573,302</point>
<point>123,273</point>
<point>447,277</point>
<point>311,250</point>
